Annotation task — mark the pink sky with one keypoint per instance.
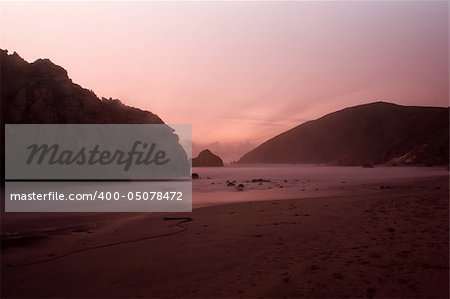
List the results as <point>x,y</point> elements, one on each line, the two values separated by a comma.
<point>240,72</point>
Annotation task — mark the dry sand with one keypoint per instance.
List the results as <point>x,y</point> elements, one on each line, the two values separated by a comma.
<point>365,242</point>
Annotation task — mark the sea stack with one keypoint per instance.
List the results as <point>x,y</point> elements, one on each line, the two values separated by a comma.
<point>207,159</point>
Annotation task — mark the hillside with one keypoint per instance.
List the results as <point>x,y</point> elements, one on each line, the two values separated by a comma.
<point>372,133</point>
<point>42,92</point>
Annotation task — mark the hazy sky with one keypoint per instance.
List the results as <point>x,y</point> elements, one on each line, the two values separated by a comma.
<point>240,72</point>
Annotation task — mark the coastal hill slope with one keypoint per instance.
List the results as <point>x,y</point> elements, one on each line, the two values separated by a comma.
<point>42,92</point>
<point>374,133</point>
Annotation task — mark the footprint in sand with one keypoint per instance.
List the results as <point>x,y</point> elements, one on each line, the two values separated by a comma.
<point>403,281</point>
<point>337,276</point>
<point>371,292</point>
<point>375,255</point>
<point>314,267</point>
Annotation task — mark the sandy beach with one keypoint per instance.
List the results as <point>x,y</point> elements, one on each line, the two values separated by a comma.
<point>366,240</point>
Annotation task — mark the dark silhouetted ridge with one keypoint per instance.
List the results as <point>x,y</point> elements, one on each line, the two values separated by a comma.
<point>372,133</point>
<point>42,92</point>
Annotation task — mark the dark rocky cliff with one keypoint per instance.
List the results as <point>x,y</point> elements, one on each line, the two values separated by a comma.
<point>42,92</point>
<point>207,159</point>
<point>373,133</point>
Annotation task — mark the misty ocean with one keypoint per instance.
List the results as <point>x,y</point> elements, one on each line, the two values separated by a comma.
<point>293,181</point>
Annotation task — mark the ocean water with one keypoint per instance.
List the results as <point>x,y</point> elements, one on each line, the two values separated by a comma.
<point>293,181</point>
<point>286,182</point>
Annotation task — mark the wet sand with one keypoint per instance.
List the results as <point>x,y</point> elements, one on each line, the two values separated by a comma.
<point>365,241</point>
